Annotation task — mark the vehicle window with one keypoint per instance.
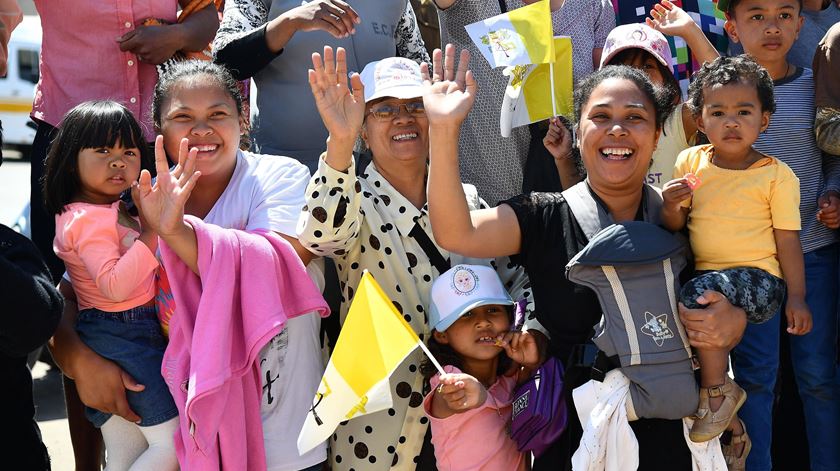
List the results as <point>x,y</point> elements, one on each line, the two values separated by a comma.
<point>28,65</point>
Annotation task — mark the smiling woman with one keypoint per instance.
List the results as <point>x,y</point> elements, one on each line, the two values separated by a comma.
<point>619,116</point>
<point>378,222</point>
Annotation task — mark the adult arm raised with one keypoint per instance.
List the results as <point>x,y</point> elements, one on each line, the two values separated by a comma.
<point>448,97</point>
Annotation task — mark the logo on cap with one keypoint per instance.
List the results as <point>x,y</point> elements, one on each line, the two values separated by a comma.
<point>464,281</point>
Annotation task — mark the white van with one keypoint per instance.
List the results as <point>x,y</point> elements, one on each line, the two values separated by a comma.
<point>17,88</point>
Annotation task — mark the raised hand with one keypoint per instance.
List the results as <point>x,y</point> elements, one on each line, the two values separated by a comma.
<point>558,139</point>
<point>670,19</point>
<point>449,92</point>
<point>333,16</point>
<point>162,204</point>
<point>342,108</point>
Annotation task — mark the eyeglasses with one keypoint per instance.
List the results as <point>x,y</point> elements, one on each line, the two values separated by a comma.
<point>386,112</point>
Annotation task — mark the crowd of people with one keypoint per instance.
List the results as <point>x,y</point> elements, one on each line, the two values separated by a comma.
<point>192,260</point>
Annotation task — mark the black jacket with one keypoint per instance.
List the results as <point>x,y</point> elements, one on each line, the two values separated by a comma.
<point>30,308</point>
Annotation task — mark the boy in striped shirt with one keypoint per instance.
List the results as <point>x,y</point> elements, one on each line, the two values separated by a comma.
<point>767,29</point>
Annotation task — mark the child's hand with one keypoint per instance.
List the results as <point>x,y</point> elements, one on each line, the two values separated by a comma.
<point>829,212</point>
<point>670,19</point>
<point>675,192</point>
<point>461,392</point>
<point>798,316</point>
<point>558,140</point>
<point>521,347</point>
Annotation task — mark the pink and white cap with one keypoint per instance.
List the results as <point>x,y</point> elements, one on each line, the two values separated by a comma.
<point>637,36</point>
<point>395,77</point>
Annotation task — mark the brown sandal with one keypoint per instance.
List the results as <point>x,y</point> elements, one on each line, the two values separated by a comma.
<point>739,462</point>
<point>711,424</point>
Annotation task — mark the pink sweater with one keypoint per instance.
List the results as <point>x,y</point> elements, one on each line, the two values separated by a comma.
<point>249,285</point>
<point>478,439</point>
<point>109,268</point>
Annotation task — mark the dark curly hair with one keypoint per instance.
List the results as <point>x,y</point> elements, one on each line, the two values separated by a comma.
<point>191,70</point>
<point>725,70</point>
<point>89,125</point>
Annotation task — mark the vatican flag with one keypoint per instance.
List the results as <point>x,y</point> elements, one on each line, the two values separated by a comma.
<point>537,92</point>
<point>374,340</point>
<point>521,36</point>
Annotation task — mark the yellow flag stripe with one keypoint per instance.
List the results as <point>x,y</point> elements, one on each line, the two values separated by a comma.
<point>533,23</point>
<point>374,339</point>
<point>536,88</point>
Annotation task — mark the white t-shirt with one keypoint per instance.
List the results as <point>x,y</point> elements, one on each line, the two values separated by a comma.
<point>267,192</point>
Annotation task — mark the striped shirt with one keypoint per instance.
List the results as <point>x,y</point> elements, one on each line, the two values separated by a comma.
<point>790,138</point>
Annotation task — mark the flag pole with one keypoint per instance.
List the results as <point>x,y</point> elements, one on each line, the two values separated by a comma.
<point>431,357</point>
<point>551,81</point>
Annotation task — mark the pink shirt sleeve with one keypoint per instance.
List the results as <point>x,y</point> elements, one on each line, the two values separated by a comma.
<point>92,234</point>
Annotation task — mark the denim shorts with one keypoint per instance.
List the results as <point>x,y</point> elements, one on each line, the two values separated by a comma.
<point>133,340</point>
<point>757,292</point>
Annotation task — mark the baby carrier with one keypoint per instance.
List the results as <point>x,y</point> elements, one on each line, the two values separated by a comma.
<point>633,267</point>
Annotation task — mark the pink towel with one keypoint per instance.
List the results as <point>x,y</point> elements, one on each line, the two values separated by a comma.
<point>250,284</point>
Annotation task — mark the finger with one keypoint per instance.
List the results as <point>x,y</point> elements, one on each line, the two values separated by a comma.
<point>348,22</point>
<point>123,410</point>
<point>437,65</point>
<point>651,23</point>
<point>132,44</point>
<point>189,167</point>
<point>161,165</point>
<point>449,62</point>
<point>329,63</point>
<point>668,5</point>
<point>331,24</point>
<point>424,73</point>
<point>317,63</point>
<point>340,66</point>
<point>144,183</point>
<point>357,88</point>
<point>183,151</point>
<point>472,85</point>
<point>187,188</point>
<point>463,67</point>
<point>660,9</point>
<point>349,11</point>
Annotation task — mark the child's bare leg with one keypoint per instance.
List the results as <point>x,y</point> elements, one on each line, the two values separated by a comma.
<point>713,365</point>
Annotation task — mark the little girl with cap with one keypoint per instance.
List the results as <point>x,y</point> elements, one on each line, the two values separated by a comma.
<point>470,406</point>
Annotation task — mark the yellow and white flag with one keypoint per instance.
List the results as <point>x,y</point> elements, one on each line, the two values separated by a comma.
<point>374,340</point>
<point>529,96</point>
<point>521,36</point>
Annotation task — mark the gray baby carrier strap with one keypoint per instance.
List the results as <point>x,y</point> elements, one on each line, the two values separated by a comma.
<point>633,268</point>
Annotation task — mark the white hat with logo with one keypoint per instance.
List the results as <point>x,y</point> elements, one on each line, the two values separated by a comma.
<point>462,288</point>
<point>395,77</point>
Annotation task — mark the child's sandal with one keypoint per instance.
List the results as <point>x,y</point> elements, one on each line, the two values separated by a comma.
<point>709,424</point>
<point>737,462</point>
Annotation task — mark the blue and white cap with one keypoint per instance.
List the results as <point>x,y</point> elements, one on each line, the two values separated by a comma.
<point>462,288</point>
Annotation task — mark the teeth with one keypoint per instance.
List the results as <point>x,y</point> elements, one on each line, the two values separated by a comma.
<point>402,137</point>
<point>205,148</point>
<point>617,151</point>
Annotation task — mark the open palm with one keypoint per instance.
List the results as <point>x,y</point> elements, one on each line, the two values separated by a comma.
<point>669,19</point>
<point>162,204</point>
<point>448,93</point>
<point>342,108</point>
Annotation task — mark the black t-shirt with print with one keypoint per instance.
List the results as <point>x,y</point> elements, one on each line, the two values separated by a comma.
<point>551,236</point>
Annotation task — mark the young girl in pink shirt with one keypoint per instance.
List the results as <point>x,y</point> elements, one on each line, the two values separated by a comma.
<point>470,406</point>
<point>110,258</point>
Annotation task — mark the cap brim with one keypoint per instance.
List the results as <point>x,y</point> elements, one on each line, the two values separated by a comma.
<point>402,92</point>
<point>444,324</point>
<point>615,52</point>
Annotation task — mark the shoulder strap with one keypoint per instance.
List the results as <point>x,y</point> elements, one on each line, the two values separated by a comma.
<point>588,213</point>
<point>503,6</point>
<point>592,217</point>
<point>418,234</point>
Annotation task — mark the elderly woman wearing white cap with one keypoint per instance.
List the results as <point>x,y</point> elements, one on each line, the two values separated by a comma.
<point>379,222</point>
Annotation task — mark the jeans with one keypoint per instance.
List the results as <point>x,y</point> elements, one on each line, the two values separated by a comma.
<point>756,361</point>
<point>133,340</point>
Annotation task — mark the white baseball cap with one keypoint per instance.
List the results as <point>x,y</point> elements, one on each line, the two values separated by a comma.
<point>395,77</point>
<point>462,288</point>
